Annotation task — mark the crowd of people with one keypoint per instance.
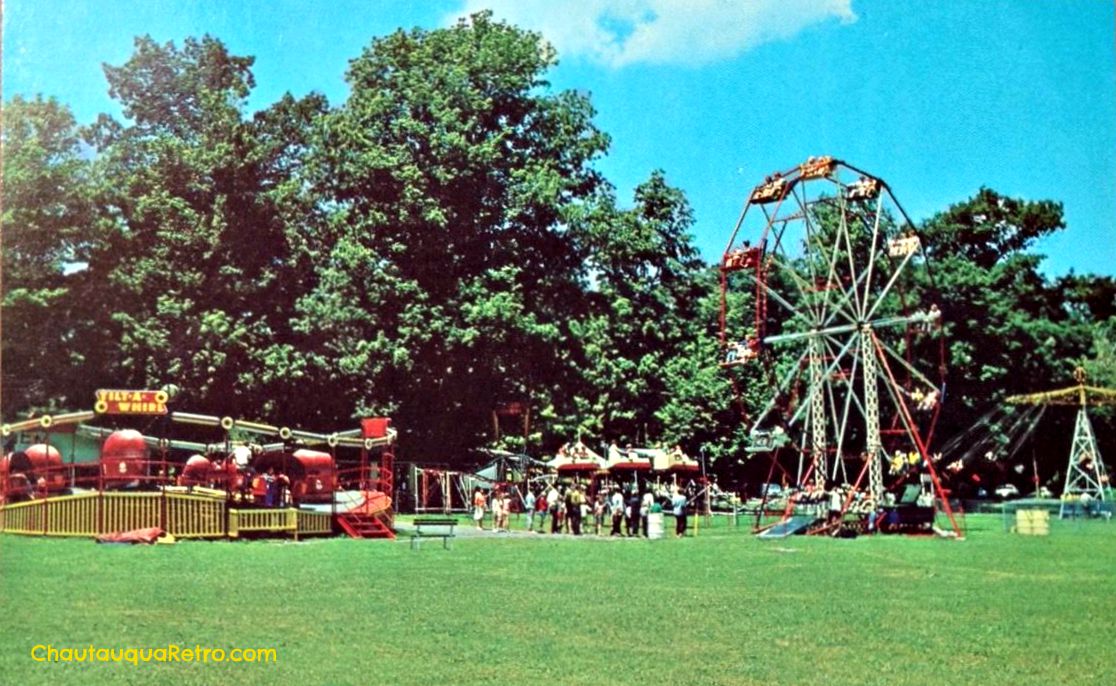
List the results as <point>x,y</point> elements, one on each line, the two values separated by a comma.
<point>625,511</point>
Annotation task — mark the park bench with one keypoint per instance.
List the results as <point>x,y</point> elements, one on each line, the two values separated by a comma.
<point>433,527</point>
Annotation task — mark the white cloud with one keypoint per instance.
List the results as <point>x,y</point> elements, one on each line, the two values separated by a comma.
<point>617,33</point>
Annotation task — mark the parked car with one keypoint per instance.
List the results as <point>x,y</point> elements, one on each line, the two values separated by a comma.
<point>772,491</point>
<point>1007,491</point>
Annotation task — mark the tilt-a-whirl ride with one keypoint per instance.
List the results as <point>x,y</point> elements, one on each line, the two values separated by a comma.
<point>192,475</point>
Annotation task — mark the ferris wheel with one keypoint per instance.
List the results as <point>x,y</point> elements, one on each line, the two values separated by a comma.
<point>826,305</point>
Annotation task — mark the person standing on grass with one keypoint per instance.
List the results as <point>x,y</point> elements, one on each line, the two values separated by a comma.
<point>554,498</point>
<point>478,508</point>
<point>576,509</point>
<point>835,505</point>
<point>678,502</point>
<point>505,510</point>
<point>645,504</point>
<point>542,509</point>
<point>633,511</point>
<point>579,492</point>
<point>563,512</point>
<point>616,507</point>
<point>529,508</point>
<point>499,511</point>
<point>598,513</point>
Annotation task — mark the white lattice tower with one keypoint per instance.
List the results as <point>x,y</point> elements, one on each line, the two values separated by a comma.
<point>872,447</point>
<point>1085,473</point>
<point>817,414</point>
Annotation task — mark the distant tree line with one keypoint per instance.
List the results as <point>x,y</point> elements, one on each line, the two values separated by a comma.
<point>437,244</point>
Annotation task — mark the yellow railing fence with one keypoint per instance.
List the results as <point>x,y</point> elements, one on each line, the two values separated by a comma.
<point>124,512</point>
<point>89,514</point>
<point>245,521</point>
<point>314,523</point>
<point>180,514</point>
<point>191,516</point>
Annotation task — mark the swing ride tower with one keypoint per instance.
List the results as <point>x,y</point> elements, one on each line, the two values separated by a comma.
<point>1085,474</point>
<point>825,303</point>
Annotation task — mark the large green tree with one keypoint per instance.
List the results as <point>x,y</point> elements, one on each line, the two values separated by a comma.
<point>198,201</point>
<point>1009,328</point>
<point>450,274</point>
<point>46,224</point>
<point>647,282</point>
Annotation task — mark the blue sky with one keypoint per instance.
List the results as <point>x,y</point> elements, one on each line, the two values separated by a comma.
<point>938,97</point>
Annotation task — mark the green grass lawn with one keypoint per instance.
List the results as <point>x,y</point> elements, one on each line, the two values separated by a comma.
<point>722,608</point>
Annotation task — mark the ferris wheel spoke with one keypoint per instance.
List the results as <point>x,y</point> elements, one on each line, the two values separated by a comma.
<point>874,247</point>
<point>848,348</point>
<point>892,322</point>
<point>813,333</point>
<point>840,307</point>
<point>890,284</point>
<point>840,422</point>
<point>855,402</point>
<point>853,348</point>
<point>827,329</point>
<point>831,278</point>
<point>844,422</point>
<point>843,232</point>
<point>780,389</point>
<point>811,238</point>
<point>805,215</point>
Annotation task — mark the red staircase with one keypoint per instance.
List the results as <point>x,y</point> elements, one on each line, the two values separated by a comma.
<point>363,525</point>
<point>374,517</point>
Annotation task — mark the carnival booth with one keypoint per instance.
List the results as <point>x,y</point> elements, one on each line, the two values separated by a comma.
<point>629,465</point>
<point>576,462</point>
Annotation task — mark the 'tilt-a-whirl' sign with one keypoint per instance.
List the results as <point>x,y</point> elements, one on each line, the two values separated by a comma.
<point>131,402</point>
